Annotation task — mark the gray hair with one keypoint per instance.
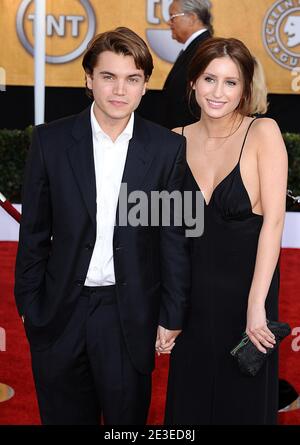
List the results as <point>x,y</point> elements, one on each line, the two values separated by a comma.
<point>202,8</point>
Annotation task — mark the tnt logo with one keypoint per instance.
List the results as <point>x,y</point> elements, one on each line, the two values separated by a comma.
<point>69,28</point>
<point>58,25</point>
<point>2,340</point>
<point>160,40</point>
<point>2,79</point>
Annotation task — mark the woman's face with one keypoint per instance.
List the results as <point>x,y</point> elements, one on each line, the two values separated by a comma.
<point>219,89</point>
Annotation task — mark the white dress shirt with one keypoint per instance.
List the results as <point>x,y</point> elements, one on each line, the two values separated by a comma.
<point>193,37</point>
<point>109,159</point>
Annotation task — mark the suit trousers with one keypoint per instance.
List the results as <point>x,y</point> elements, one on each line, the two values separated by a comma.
<point>86,377</point>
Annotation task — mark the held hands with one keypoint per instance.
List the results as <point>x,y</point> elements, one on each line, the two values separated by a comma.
<point>165,340</point>
<point>257,329</point>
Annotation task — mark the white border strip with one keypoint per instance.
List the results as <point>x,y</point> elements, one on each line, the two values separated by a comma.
<point>9,228</point>
<point>291,232</point>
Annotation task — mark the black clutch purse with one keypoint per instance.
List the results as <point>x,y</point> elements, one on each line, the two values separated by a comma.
<point>249,358</point>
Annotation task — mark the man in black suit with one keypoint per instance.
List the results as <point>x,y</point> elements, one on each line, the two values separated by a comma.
<point>190,23</point>
<point>95,296</point>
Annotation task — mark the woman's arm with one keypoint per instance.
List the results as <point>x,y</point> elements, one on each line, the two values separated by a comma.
<point>272,169</point>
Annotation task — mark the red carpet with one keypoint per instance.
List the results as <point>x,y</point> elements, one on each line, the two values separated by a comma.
<point>15,368</point>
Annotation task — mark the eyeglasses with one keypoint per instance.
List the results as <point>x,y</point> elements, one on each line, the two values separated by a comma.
<point>173,16</point>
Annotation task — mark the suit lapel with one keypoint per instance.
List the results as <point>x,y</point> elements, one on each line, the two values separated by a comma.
<point>81,158</point>
<point>138,162</point>
<point>138,157</point>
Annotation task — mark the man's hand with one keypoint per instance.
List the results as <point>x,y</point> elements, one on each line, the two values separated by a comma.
<point>165,340</point>
<point>257,329</point>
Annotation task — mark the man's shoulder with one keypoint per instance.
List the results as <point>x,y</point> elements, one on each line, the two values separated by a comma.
<point>63,125</point>
<point>194,45</point>
<point>161,133</point>
<point>199,39</point>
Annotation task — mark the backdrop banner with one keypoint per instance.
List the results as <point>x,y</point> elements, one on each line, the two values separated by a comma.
<point>271,30</point>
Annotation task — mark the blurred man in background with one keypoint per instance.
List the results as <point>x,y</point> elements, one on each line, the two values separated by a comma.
<point>190,23</point>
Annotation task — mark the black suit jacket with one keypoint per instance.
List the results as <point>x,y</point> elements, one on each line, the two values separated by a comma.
<point>58,233</point>
<point>170,107</point>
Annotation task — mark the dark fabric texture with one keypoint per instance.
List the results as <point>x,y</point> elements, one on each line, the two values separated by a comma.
<point>87,374</point>
<point>205,385</point>
<point>58,234</point>
<point>249,359</point>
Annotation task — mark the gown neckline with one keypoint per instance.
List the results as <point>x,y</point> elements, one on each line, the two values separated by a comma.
<point>216,187</point>
<point>237,166</point>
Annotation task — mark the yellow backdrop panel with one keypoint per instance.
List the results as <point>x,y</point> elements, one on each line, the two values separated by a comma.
<point>68,24</point>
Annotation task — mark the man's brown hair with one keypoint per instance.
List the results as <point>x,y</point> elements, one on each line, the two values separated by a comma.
<point>120,41</point>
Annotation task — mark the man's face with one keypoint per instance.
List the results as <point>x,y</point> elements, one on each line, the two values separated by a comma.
<point>117,86</point>
<point>180,25</point>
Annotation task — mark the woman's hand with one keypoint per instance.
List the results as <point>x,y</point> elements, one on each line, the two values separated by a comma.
<point>257,329</point>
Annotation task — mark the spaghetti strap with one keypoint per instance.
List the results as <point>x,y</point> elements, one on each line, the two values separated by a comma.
<point>182,131</point>
<point>246,138</point>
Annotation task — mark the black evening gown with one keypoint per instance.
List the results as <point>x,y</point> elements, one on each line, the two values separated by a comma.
<point>205,386</point>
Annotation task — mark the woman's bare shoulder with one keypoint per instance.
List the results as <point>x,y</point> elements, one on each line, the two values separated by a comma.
<point>187,129</point>
<point>266,126</point>
<point>267,134</point>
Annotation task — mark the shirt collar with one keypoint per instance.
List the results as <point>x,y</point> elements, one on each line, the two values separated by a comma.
<point>97,130</point>
<point>193,37</point>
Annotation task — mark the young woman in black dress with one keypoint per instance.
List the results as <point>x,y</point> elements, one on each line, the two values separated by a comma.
<point>239,164</point>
